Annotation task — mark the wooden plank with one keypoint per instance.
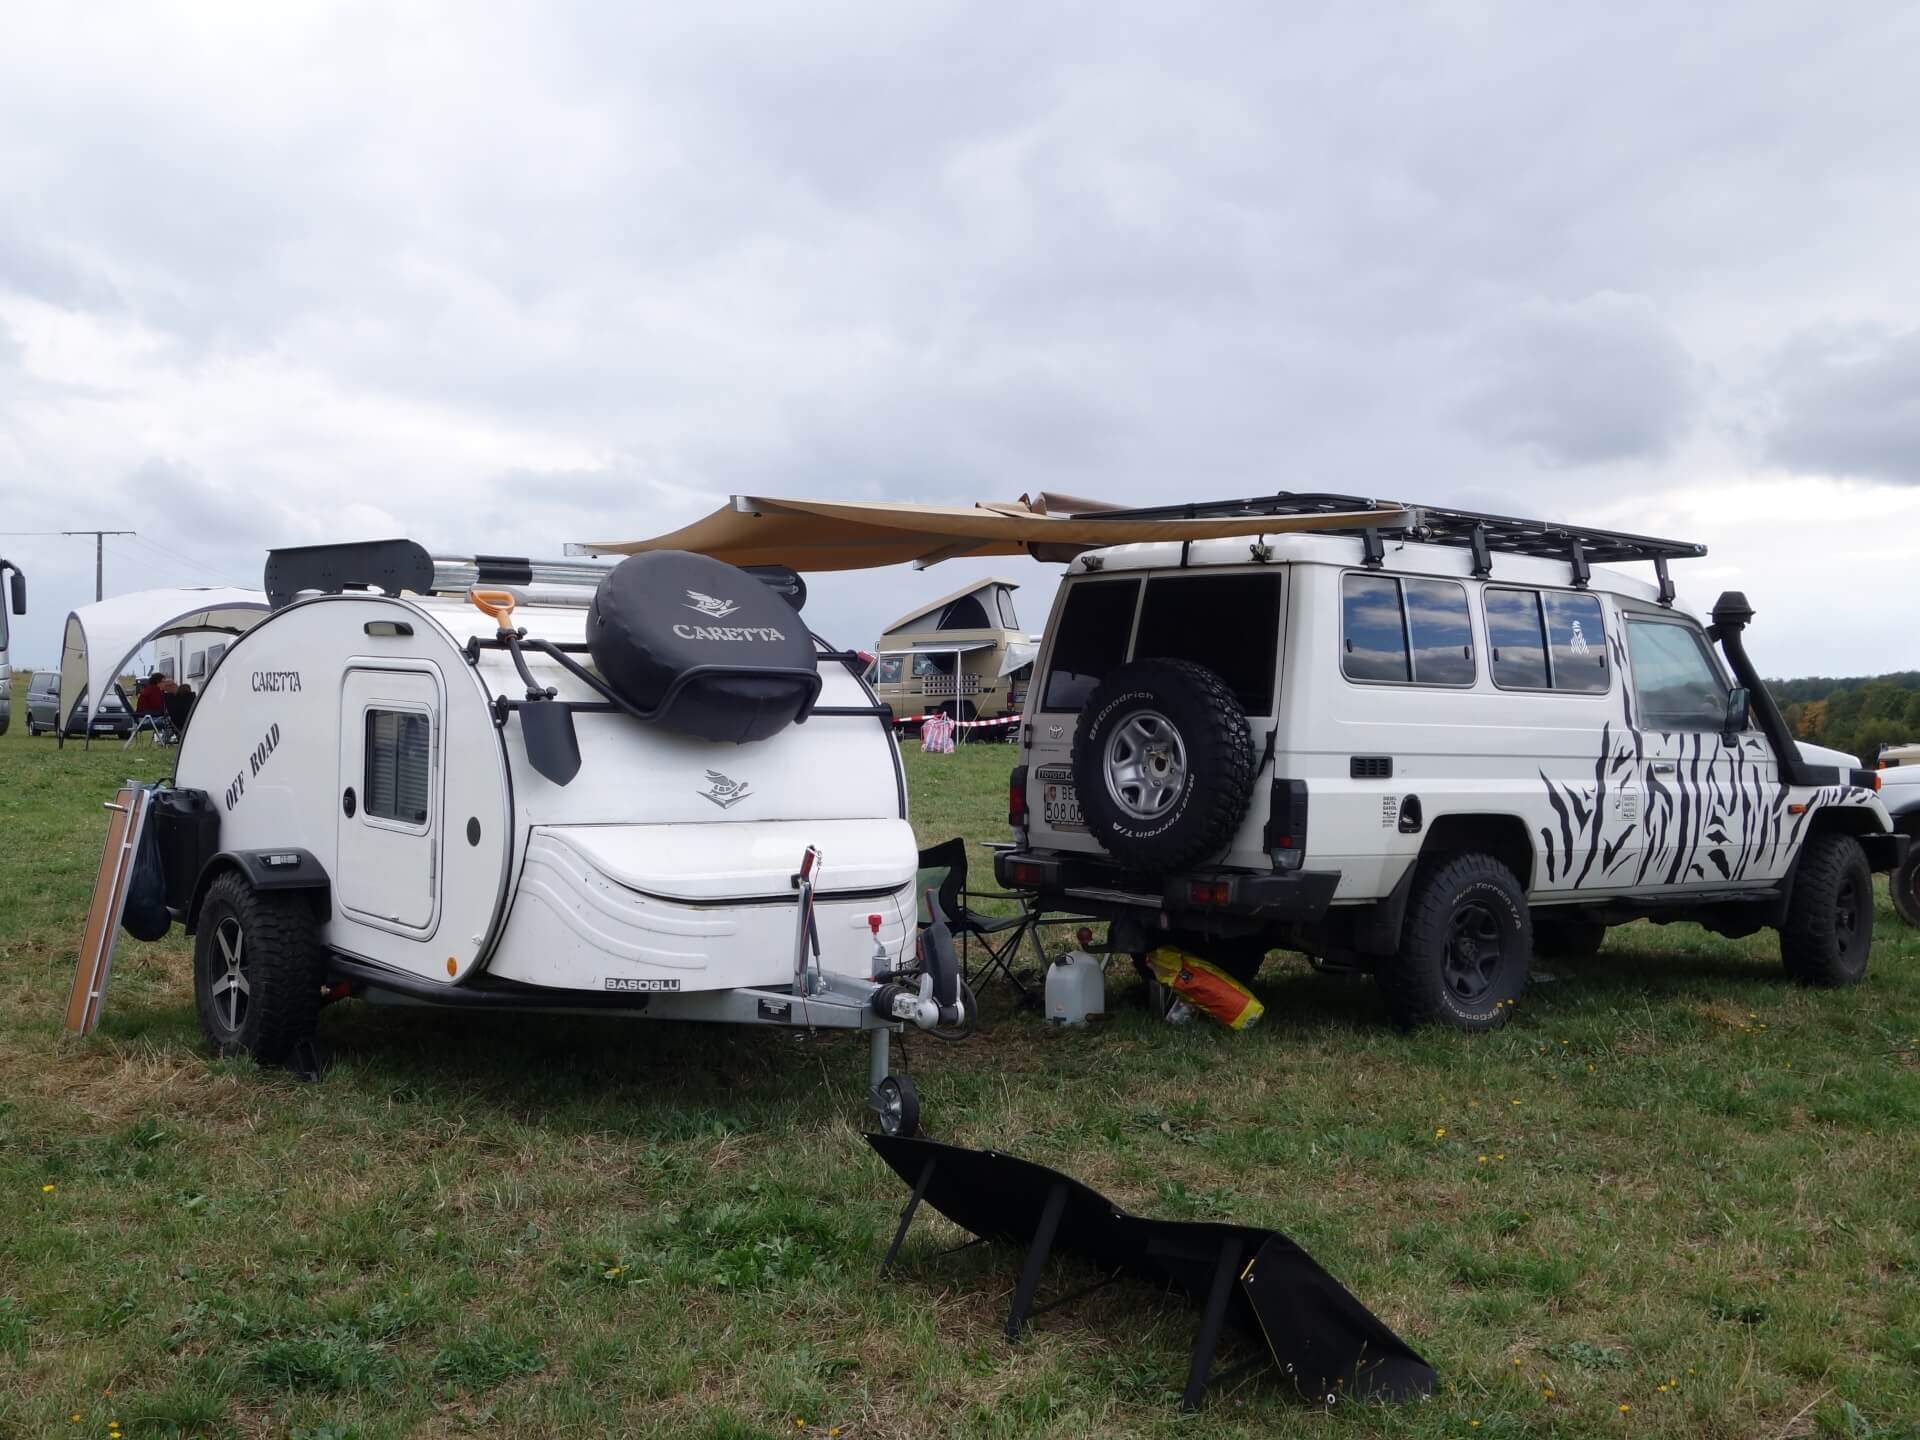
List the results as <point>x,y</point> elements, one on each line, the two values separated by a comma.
<point>128,813</point>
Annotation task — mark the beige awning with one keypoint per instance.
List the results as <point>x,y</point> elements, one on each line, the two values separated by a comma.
<point>858,534</point>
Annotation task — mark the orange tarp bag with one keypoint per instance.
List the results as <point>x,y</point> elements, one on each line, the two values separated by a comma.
<point>1206,987</point>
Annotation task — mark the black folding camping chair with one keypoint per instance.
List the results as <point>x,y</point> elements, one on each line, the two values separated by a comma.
<point>943,869</point>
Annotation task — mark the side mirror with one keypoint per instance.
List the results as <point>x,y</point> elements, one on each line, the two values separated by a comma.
<point>1738,700</point>
<point>17,587</point>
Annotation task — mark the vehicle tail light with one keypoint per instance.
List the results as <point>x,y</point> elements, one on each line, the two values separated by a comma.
<point>1025,875</point>
<point>1017,797</point>
<point>1209,892</point>
<point>1286,833</point>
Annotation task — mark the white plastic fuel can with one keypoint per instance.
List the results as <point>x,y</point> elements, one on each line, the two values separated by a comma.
<point>1076,989</point>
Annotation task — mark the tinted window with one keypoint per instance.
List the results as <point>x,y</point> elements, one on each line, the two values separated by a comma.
<point>1675,681</point>
<point>1228,623</point>
<point>1373,639</point>
<point>1513,630</point>
<point>1442,632</point>
<point>1090,640</point>
<point>197,666</point>
<point>1578,638</point>
<point>399,766</point>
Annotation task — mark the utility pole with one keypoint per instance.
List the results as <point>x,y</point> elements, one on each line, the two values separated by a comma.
<point>99,557</point>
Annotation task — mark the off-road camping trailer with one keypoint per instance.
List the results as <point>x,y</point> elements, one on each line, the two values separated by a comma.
<point>507,784</point>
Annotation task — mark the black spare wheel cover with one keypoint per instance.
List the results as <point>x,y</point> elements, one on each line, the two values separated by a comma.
<point>1163,762</point>
<point>656,616</point>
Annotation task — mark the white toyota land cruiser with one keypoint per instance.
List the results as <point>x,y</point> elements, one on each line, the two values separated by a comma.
<point>1432,751</point>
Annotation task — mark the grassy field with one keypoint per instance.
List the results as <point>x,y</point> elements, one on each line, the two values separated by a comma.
<point>1677,1196</point>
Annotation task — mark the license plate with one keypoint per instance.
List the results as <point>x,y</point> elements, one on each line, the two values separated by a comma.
<point>1060,801</point>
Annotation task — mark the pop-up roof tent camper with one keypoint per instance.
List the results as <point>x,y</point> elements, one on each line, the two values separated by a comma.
<point>948,654</point>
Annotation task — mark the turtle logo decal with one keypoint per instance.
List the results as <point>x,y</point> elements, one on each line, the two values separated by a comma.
<point>711,606</point>
<point>724,792</point>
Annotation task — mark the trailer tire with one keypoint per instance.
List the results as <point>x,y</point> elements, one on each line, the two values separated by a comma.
<point>1163,762</point>
<point>896,1106</point>
<point>1465,948</point>
<point>1904,885</point>
<point>1829,926</point>
<point>258,967</point>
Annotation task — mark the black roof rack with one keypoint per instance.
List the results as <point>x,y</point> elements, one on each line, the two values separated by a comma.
<point>1485,534</point>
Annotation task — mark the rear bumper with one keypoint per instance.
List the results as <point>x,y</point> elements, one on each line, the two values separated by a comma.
<point>1071,882</point>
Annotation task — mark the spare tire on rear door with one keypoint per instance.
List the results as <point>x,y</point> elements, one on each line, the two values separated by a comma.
<point>703,647</point>
<point>1163,762</point>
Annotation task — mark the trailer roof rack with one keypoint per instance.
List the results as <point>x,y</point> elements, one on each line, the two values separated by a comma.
<point>1581,546</point>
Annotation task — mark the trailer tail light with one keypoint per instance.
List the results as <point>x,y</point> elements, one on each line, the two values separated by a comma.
<point>1017,797</point>
<point>1209,892</point>
<point>1286,833</point>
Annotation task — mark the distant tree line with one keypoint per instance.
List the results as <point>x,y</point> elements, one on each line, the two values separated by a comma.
<point>1857,713</point>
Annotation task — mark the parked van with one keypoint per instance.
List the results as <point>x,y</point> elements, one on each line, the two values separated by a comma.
<point>1432,751</point>
<point>950,657</point>
<point>113,716</point>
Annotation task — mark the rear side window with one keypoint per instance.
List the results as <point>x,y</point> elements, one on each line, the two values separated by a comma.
<point>1519,645</point>
<point>1576,641</point>
<point>399,766</point>
<point>1228,623</point>
<point>1547,640</point>
<point>886,670</point>
<point>1676,683</point>
<point>1091,640</point>
<point>1397,631</point>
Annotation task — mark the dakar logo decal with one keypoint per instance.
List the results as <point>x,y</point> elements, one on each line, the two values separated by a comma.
<point>1578,643</point>
<point>724,792</point>
<point>711,606</point>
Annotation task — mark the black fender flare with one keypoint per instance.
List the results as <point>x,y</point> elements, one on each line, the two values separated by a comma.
<point>285,869</point>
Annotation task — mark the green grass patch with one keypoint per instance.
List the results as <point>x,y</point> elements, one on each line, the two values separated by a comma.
<point>1703,1205</point>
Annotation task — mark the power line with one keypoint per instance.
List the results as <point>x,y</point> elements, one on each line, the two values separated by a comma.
<point>99,558</point>
<point>181,560</point>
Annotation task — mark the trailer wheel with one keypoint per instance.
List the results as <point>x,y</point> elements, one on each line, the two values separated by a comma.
<point>1465,950</point>
<point>897,1106</point>
<point>257,970</point>
<point>1904,884</point>
<point>1829,927</point>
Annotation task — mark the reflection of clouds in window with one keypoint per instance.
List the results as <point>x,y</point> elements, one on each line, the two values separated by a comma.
<point>1374,642</point>
<point>1578,635</point>
<point>1442,632</point>
<point>1513,627</point>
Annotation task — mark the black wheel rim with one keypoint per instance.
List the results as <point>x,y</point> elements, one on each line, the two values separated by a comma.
<point>1846,913</point>
<point>227,974</point>
<point>1471,963</point>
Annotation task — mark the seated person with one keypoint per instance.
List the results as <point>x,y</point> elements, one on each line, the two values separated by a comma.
<point>152,699</point>
<point>180,705</point>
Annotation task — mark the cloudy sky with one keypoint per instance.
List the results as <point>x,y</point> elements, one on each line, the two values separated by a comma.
<point>504,276</point>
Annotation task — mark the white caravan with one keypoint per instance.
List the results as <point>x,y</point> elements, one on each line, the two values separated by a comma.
<point>1425,749</point>
<point>15,601</point>
<point>495,782</point>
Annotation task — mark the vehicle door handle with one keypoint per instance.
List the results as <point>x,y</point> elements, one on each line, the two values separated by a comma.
<point>1663,767</point>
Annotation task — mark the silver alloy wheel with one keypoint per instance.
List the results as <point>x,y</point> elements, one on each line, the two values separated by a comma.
<point>1146,765</point>
<point>230,990</point>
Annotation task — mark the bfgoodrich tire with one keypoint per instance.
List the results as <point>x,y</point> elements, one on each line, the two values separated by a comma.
<point>257,970</point>
<point>1829,927</point>
<point>1164,764</point>
<point>1904,884</point>
<point>1465,948</point>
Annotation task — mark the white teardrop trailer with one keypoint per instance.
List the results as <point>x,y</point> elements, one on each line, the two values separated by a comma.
<point>494,783</point>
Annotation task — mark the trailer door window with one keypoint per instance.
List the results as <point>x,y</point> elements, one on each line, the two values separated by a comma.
<point>399,766</point>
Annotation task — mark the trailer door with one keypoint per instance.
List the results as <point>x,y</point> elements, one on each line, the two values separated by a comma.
<point>390,790</point>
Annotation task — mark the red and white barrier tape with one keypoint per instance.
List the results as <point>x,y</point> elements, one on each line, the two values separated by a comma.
<point>1000,721</point>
